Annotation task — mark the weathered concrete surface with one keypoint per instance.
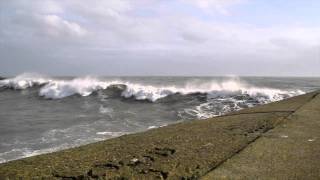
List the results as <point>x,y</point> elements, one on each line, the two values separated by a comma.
<point>289,151</point>
<point>181,151</point>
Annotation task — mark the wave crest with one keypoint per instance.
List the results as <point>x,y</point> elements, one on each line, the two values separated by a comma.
<point>82,86</point>
<point>24,81</point>
<point>57,89</point>
<point>212,89</point>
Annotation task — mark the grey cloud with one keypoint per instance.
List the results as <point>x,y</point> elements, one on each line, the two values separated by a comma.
<point>109,37</point>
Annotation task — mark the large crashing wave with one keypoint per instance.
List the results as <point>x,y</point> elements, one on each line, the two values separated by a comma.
<point>61,89</point>
<point>57,89</point>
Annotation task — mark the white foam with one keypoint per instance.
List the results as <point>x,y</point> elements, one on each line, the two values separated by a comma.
<point>222,102</point>
<point>24,81</point>
<point>16,153</point>
<point>57,89</point>
<point>152,127</point>
<point>64,88</point>
<point>57,139</point>
<point>105,110</point>
<point>112,134</point>
<point>147,92</point>
<point>153,93</point>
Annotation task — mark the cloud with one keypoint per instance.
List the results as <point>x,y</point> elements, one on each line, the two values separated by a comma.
<point>210,6</point>
<point>47,6</point>
<point>133,34</point>
<point>56,26</point>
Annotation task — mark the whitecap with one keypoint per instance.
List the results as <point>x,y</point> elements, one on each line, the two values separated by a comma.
<point>57,89</point>
<point>24,81</point>
<point>152,127</point>
<point>63,88</point>
<point>112,134</point>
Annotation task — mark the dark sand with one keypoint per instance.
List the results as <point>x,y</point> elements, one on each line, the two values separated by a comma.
<point>279,141</point>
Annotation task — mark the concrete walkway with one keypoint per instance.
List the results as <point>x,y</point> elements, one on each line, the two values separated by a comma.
<point>289,151</point>
<point>275,141</point>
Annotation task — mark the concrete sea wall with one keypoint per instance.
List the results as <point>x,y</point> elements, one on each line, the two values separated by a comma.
<point>279,140</point>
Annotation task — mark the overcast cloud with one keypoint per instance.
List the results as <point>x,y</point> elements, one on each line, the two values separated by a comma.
<point>160,37</point>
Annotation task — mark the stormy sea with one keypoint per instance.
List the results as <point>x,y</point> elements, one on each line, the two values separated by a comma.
<point>41,114</point>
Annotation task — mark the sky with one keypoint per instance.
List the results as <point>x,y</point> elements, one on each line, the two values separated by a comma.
<point>160,37</point>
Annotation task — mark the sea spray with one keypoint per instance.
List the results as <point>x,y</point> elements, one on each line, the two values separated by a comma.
<point>24,81</point>
<point>57,89</point>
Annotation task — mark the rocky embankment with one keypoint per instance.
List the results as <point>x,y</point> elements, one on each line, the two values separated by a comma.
<point>277,140</point>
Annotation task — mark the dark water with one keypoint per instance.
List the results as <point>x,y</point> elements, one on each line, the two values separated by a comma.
<point>41,114</point>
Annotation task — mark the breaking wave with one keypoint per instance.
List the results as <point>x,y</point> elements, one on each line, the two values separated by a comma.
<point>57,89</point>
<point>24,81</point>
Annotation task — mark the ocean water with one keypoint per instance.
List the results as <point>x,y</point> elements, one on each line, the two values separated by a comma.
<point>41,114</point>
